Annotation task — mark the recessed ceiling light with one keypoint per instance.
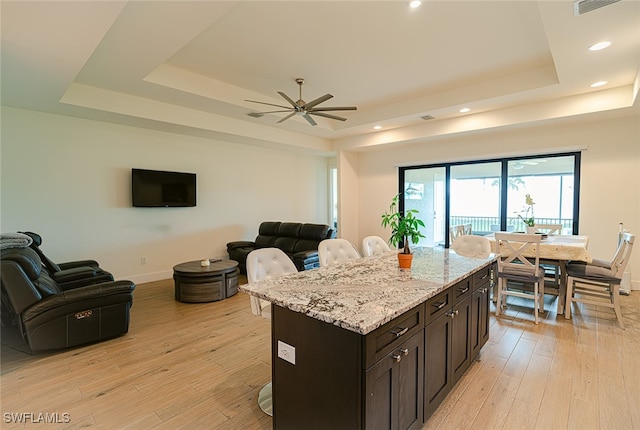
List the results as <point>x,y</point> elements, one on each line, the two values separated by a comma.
<point>414,4</point>
<point>377,127</point>
<point>464,110</point>
<point>600,45</point>
<point>598,84</point>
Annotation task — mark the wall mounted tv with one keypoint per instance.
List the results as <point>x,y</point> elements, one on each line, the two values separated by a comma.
<point>156,188</point>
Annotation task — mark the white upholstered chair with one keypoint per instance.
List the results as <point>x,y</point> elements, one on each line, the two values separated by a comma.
<point>472,246</point>
<point>374,245</point>
<point>598,283</point>
<point>335,251</point>
<point>519,265</point>
<point>458,230</point>
<point>266,263</point>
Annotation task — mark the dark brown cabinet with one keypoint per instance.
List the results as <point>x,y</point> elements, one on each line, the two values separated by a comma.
<point>394,388</point>
<point>391,378</point>
<point>483,282</point>
<point>457,328</point>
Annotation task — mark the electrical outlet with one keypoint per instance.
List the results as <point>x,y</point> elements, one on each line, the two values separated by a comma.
<point>143,260</point>
<point>287,352</point>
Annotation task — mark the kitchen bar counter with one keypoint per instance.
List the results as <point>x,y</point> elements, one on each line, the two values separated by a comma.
<point>365,345</point>
<point>363,294</point>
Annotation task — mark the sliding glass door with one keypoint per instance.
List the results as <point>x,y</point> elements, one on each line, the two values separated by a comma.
<point>491,195</point>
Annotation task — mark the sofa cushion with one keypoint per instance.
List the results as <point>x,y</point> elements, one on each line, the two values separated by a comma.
<point>315,232</point>
<point>269,228</point>
<point>289,229</point>
<point>287,244</point>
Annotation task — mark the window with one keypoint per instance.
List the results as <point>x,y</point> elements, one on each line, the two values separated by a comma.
<point>491,194</point>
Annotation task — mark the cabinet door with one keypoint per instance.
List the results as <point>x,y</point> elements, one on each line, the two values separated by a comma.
<point>437,348</point>
<point>479,319</point>
<point>460,338</point>
<point>394,388</point>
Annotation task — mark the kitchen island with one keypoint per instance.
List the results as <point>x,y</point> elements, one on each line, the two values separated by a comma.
<point>365,345</point>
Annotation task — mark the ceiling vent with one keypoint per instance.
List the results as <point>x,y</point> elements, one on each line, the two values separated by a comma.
<point>583,6</point>
<point>427,117</point>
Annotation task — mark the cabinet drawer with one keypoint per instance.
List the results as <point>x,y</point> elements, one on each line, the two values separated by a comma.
<point>461,289</point>
<point>384,339</point>
<point>482,277</point>
<point>438,305</point>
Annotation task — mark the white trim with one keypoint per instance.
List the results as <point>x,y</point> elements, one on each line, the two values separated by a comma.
<point>494,156</point>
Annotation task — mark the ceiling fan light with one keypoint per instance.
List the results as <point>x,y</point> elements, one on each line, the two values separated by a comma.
<point>415,4</point>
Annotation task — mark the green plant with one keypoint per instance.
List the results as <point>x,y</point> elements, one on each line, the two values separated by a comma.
<point>528,217</point>
<point>403,227</point>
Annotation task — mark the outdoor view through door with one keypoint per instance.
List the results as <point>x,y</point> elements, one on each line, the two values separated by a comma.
<point>491,195</point>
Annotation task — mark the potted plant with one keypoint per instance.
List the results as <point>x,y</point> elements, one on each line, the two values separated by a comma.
<point>404,228</point>
<point>526,214</point>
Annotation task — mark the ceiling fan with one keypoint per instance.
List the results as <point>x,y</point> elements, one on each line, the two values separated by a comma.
<point>303,108</point>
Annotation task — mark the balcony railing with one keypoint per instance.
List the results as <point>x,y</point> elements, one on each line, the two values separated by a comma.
<point>486,225</point>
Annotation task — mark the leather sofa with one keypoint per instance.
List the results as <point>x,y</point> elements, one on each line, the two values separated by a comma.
<point>71,274</point>
<point>298,240</point>
<point>51,317</point>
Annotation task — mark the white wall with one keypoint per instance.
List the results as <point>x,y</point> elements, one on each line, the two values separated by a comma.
<point>610,180</point>
<point>69,180</point>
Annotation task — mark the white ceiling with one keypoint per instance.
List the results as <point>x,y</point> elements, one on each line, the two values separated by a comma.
<point>188,67</point>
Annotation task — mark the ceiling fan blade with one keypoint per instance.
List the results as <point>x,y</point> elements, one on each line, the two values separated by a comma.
<point>274,111</point>
<point>269,104</point>
<point>326,115</point>
<point>287,98</point>
<point>317,101</point>
<point>309,119</point>
<point>286,117</point>
<point>323,109</point>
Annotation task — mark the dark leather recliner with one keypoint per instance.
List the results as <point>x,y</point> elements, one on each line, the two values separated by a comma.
<point>71,274</point>
<point>299,241</point>
<point>49,317</point>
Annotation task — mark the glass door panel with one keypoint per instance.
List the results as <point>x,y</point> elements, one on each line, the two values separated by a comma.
<point>549,182</point>
<point>475,196</point>
<point>424,190</point>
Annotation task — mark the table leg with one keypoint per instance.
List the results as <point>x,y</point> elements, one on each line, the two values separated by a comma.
<point>562,289</point>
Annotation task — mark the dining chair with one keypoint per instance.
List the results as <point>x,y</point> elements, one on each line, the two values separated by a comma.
<point>548,229</point>
<point>519,265</point>
<point>598,282</point>
<point>335,251</point>
<point>374,245</point>
<point>266,263</point>
<point>551,267</point>
<point>472,246</point>
<point>458,230</point>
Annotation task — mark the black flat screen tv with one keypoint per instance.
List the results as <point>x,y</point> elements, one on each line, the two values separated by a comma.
<point>160,189</point>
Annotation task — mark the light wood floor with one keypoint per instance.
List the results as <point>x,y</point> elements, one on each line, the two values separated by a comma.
<point>200,366</point>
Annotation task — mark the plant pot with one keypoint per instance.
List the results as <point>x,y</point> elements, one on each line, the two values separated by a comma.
<point>531,229</point>
<point>404,260</point>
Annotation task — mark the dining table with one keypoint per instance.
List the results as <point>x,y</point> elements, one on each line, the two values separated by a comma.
<point>561,248</point>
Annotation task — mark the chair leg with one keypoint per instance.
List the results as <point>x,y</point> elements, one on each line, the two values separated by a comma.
<point>569,296</point>
<point>541,296</point>
<point>499,296</point>
<point>616,303</point>
<point>536,300</point>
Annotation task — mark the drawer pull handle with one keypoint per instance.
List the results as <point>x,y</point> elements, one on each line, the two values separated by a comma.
<point>400,331</point>
<point>485,276</point>
<point>397,358</point>
<point>405,351</point>
<point>463,290</point>
<point>452,314</point>
<point>483,290</point>
<point>440,305</point>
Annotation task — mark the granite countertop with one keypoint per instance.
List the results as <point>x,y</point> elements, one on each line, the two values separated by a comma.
<point>363,294</point>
